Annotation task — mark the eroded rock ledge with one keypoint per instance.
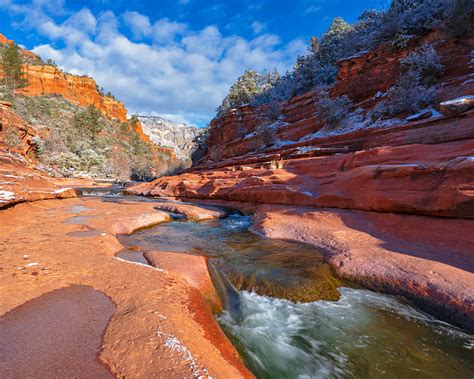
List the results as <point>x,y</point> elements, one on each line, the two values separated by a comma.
<point>434,266</point>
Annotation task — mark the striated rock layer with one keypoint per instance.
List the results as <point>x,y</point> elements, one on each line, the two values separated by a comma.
<point>81,90</point>
<point>363,78</point>
<point>420,179</point>
<point>162,326</point>
<point>45,79</point>
<point>434,266</point>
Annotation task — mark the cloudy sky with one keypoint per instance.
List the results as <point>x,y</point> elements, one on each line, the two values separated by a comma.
<point>175,58</point>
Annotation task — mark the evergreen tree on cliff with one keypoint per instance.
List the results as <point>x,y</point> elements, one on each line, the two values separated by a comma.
<point>242,92</point>
<point>11,68</point>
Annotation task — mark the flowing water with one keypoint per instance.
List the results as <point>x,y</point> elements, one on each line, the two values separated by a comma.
<point>289,317</point>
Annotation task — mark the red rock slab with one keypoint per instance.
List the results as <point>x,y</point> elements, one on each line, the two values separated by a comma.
<point>156,331</point>
<point>191,268</point>
<point>203,298</point>
<point>57,335</point>
<point>419,179</point>
<point>427,259</point>
<point>192,212</point>
<point>21,182</point>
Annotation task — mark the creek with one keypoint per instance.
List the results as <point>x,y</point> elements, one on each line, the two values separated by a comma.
<point>289,317</point>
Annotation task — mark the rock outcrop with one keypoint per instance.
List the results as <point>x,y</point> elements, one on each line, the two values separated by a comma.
<point>81,90</point>
<point>187,141</point>
<point>363,78</point>
<point>46,79</point>
<point>424,258</point>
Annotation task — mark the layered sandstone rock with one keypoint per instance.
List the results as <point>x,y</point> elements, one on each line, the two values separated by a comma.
<point>45,79</point>
<point>421,179</point>
<point>21,182</point>
<point>427,259</point>
<point>81,90</point>
<point>369,193</point>
<point>363,78</point>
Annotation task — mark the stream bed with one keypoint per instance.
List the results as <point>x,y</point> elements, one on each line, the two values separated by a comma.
<point>291,318</point>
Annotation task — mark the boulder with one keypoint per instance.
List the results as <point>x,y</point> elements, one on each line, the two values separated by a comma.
<point>457,106</point>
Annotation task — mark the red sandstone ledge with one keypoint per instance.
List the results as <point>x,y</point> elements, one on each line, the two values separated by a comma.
<point>434,266</point>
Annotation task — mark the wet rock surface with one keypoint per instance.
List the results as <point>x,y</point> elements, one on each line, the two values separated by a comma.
<point>435,265</point>
<point>420,179</point>
<point>159,328</point>
<point>58,334</point>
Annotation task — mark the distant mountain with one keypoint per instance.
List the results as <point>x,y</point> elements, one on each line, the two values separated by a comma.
<point>187,141</point>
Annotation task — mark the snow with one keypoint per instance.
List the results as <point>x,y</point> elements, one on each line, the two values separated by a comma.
<point>459,100</point>
<point>141,264</point>
<point>61,190</point>
<point>175,345</point>
<point>414,117</point>
<point>13,176</point>
<point>469,81</point>
<point>308,149</point>
<point>356,55</point>
<point>32,264</point>
<point>250,135</point>
<point>6,195</point>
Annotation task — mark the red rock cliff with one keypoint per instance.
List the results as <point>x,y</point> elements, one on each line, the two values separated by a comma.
<point>365,197</point>
<point>360,78</point>
<point>81,90</point>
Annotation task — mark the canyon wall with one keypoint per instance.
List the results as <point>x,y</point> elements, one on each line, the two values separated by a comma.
<point>45,79</point>
<point>80,90</point>
<point>363,78</point>
<point>389,203</point>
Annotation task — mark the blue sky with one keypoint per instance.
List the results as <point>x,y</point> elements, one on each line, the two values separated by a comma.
<point>172,58</point>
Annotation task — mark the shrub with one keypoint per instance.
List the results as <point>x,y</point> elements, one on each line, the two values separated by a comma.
<point>415,88</point>
<point>424,61</point>
<point>460,18</point>
<point>407,95</point>
<point>38,146</point>
<point>273,112</point>
<point>337,112</point>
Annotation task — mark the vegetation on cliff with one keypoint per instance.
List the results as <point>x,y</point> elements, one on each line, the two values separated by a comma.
<point>11,69</point>
<point>75,140</point>
<point>81,141</point>
<point>395,26</point>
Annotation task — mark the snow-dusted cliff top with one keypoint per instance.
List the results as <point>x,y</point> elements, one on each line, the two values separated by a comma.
<point>184,139</point>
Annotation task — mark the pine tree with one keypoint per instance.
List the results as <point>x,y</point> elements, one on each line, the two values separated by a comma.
<point>11,69</point>
<point>88,120</point>
<point>242,92</point>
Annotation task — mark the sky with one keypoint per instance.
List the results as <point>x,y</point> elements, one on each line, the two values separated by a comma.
<point>173,58</point>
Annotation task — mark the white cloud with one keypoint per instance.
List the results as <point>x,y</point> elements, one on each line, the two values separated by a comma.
<point>257,27</point>
<point>164,30</point>
<point>138,24</point>
<point>167,68</point>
